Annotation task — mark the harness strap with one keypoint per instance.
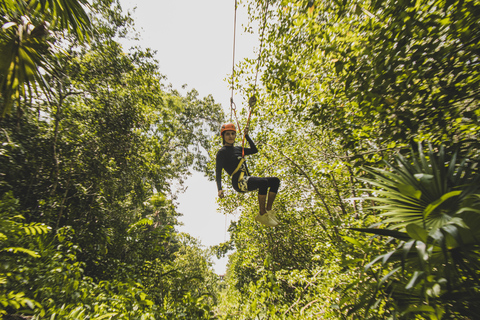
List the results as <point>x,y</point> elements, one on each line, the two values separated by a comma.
<point>240,178</point>
<point>239,165</point>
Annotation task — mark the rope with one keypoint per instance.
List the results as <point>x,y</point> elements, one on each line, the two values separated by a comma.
<point>232,104</point>
<point>261,45</point>
<point>253,100</point>
<point>225,235</point>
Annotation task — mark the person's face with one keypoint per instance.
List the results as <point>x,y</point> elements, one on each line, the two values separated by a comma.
<point>229,137</point>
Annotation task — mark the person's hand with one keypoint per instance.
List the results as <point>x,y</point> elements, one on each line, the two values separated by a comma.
<point>245,132</point>
<point>221,194</point>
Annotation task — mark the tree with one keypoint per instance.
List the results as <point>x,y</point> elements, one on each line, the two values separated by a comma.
<point>385,72</point>
<point>343,84</point>
<point>186,286</point>
<point>96,161</point>
<point>26,41</point>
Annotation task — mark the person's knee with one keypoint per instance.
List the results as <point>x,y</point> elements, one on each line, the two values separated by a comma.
<point>274,184</point>
<point>262,186</point>
<point>276,181</point>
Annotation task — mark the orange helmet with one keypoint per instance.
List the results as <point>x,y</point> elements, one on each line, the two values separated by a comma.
<point>227,127</point>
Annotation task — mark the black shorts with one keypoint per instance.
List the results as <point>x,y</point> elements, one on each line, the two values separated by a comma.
<point>262,184</point>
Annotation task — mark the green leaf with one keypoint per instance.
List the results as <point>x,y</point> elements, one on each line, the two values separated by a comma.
<point>407,246</point>
<point>413,280</point>
<point>387,256</point>
<point>410,191</point>
<point>435,290</point>
<point>107,315</point>
<point>432,206</point>
<point>385,278</point>
<point>458,222</point>
<point>371,263</point>
<point>454,239</point>
<point>384,232</point>
<point>417,232</point>
<point>468,209</point>
<point>23,250</point>
<point>353,241</point>
<point>422,250</point>
<point>423,177</point>
<point>423,309</point>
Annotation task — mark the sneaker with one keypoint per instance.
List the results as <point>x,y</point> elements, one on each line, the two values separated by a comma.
<point>266,220</point>
<point>271,214</point>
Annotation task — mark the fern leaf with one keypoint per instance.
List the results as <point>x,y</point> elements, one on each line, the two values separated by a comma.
<point>23,250</point>
<point>142,222</point>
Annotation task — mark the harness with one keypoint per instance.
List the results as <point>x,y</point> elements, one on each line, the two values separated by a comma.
<point>239,166</point>
<point>242,185</point>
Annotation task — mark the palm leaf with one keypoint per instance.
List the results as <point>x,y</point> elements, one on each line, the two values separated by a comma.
<point>435,199</point>
<point>23,43</point>
<point>65,14</point>
<point>418,192</point>
<point>384,232</point>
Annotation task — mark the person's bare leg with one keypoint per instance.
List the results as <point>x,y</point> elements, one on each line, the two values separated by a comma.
<point>261,202</point>
<point>271,198</point>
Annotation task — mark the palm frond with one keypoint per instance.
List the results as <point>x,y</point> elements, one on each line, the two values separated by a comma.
<point>24,45</point>
<point>430,202</point>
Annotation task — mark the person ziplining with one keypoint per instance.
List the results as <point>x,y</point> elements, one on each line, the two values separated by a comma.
<point>232,159</point>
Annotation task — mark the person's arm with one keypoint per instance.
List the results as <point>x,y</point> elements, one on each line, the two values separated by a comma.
<point>218,173</point>
<point>253,148</point>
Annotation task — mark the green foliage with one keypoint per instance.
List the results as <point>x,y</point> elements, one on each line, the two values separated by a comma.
<point>110,138</point>
<point>26,43</point>
<point>433,270</point>
<point>375,73</point>
<point>63,291</point>
<point>345,85</point>
<point>186,287</point>
<point>55,286</point>
<point>14,243</point>
<point>96,157</point>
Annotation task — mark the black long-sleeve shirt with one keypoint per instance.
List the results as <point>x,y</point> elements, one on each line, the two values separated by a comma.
<point>228,158</point>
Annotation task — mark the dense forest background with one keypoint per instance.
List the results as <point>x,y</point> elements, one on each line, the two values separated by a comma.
<point>367,112</point>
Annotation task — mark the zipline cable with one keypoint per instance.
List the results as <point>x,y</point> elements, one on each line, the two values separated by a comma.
<point>261,45</point>
<point>232,104</point>
<point>253,100</point>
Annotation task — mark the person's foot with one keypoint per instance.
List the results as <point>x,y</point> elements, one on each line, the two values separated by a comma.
<point>266,220</point>
<point>271,214</point>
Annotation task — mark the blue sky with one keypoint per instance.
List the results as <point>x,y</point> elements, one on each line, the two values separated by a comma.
<point>194,42</point>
